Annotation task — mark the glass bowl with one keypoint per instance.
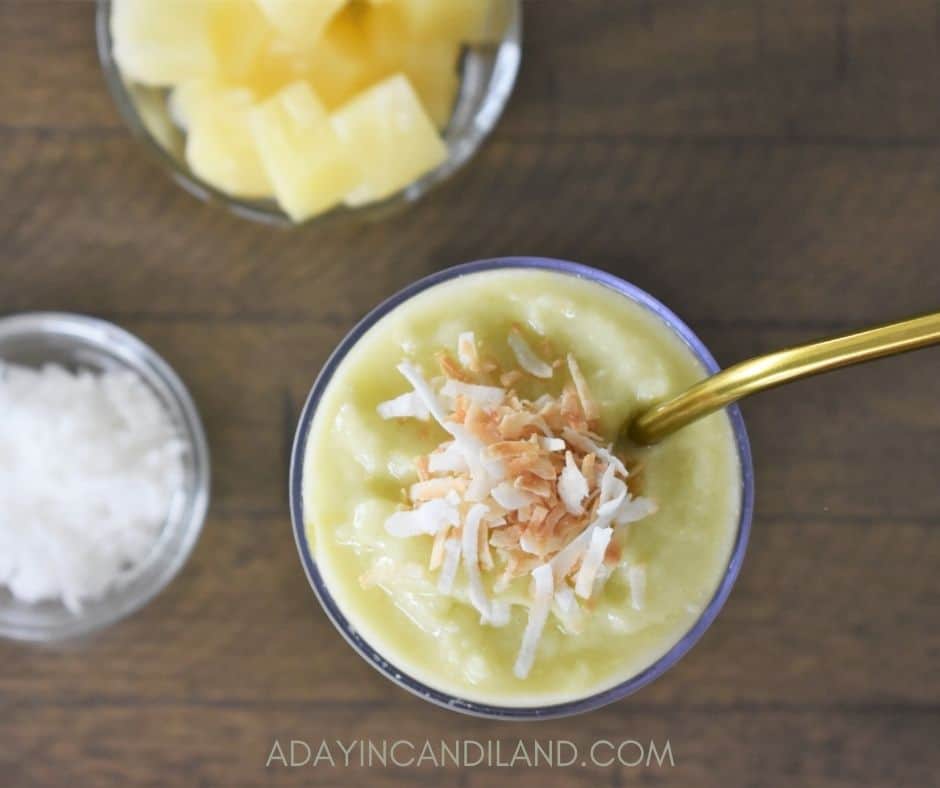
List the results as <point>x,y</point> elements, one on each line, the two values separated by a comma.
<point>488,74</point>
<point>78,342</point>
<point>400,677</point>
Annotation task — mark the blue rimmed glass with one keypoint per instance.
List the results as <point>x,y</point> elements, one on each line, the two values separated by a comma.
<point>400,677</point>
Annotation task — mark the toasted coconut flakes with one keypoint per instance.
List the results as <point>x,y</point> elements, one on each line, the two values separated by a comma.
<point>467,351</point>
<point>407,406</point>
<point>506,450</point>
<point>507,496</point>
<point>449,367</point>
<point>537,466</point>
<point>526,357</point>
<point>528,544</point>
<point>586,445</point>
<point>538,615</point>
<point>428,518</point>
<point>422,466</point>
<point>506,538</point>
<point>469,543</point>
<point>554,517</point>
<point>572,486</point>
<point>436,488</point>
<point>588,405</point>
<point>636,576</point>
<point>571,412</point>
<point>544,494</point>
<point>587,468</point>
<point>487,397</point>
<point>552,444</point>
<point>533,484</point>
<point>445,581</point>
<point>591,562</point>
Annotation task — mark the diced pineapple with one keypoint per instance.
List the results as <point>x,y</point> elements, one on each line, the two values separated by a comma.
<point>220,148</point>
<point>342,63</point>
<point>239,33</point>
<point>390,136</point>
<point>433,70</point>
<point>310,168</point>
<point>162,43</point>
<point>301,21</point>
<point>456,20</point>
<point>186,98</point>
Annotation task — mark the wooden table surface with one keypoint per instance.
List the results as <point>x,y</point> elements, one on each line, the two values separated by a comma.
<point>770,169</point>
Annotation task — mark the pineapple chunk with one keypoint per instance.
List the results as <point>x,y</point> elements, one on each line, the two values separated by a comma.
<point>220,148</point>
<point>238,33</point>
<point>454,20</point>
<point>301,21</point>
<point>433,70</point>
<point>310,168</point>
<point>342,63</point>
<point>162,43</point>
<point>390,136</point>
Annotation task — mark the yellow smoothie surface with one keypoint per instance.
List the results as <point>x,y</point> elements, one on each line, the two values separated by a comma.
<point>470,513</point>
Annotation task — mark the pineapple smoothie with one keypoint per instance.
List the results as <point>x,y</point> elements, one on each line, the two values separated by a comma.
<point>467,507</point>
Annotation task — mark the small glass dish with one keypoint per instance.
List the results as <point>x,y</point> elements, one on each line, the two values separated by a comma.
<point>444,699</point>
<point>488,74</point>
<point>79,342</point>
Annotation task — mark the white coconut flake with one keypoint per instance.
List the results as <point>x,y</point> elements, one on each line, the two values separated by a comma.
<point>572,486</point>
<point>469,545</point>
<point>526,357</point>
<point>90,465</point>
<point>591,562</point>
<point>636,577</point>
<point>499,613</point>
<point>538,615</point>
<point>581,386</point>
<point>407,406</point>
<point>467,351</point>
<point>511,498</point>
<point>445,581</point>
<point>487,397</point>
<point>552,444</point>
<point>449,459</point>
<point>423,389</point>
<point>428,518</point>
<point>635,509</point>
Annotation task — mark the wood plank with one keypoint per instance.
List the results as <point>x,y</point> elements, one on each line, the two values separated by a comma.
<point>754,232</point>
<point>823,615</point>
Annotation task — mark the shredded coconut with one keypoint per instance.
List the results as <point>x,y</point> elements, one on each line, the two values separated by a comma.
<point>518,488</point>
<point>89,467</point>
<point>526,357</point>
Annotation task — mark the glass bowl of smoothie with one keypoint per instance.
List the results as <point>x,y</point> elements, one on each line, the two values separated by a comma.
<point>281,173</point>
<point>466,515</point>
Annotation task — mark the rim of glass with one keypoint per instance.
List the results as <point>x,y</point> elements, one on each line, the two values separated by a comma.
<point>127,349</point>
<point>461,150</point>
<point>401,677</point>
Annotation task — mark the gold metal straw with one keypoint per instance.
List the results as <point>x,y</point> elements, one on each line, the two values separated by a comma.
<point>774,369</point>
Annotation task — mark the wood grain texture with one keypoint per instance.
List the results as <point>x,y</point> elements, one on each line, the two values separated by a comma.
<point>770,169</point>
